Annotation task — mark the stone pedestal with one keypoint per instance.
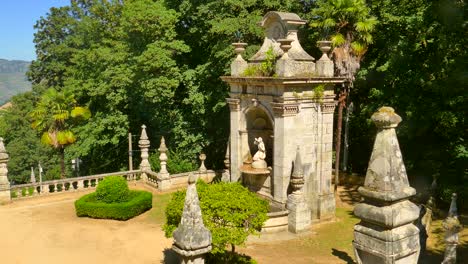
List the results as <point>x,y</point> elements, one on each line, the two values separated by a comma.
<point>5,195</point>
<point>299,213</point>
<point>239,65</point>
<point>386,233</point>
<point>192,240</point>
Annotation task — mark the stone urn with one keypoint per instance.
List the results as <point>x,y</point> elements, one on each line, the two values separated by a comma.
<point>239,47</point>
<point>324,45</point>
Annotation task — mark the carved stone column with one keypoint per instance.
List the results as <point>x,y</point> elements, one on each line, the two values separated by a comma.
<point>192,240</point>
<point>452,227</point>
<point>299,212</point>
<point>165,179</point>
<point>144,145</point>
<point>386,233</point>
<point>5,196</point>
<point>235,139</point>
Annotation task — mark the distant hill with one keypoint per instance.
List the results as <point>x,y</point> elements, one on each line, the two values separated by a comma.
<point>13,78</point>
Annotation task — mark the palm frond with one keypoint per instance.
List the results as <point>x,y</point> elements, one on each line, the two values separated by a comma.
<point>338,39</point>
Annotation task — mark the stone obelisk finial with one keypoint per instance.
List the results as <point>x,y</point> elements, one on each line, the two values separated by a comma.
<point>192,240</point>
<point>4,183</point>
<point>299,211</point>
<point>165,179</point>
<point>452,227</point>
<point>386,233</point>
<point>144,145</point>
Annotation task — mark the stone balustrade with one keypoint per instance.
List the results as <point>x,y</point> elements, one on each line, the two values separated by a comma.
<point>66,185</point>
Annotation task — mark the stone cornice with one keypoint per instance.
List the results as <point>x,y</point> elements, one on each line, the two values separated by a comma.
<point>285,109</point>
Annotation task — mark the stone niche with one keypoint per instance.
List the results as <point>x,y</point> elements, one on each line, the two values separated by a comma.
<point>287,110</point>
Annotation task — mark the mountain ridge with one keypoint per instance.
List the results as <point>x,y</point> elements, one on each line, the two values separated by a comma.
<point>13,78</point>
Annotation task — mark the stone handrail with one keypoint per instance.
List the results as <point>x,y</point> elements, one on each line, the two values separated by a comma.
<point>66,185</point>
<point>152,178</point>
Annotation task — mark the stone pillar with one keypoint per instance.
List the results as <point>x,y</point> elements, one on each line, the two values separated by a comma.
<point>144,145</point>
<point>452,227</point>
<point>239,65</point>
<point>386,233</point>
<point>235,139</point>
<point>326,197</point>
<point>33,176</point>
<point>165,179</point>
<point>5,195</point>
<point>299,212</point>
<point>324,66</point>
<point>285,65</point>
<point>192,240</point>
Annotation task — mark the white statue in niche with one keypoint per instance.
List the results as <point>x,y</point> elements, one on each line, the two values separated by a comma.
<point>259,157</point>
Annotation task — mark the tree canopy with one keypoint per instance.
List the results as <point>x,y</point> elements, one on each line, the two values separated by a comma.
<point>158,63</point>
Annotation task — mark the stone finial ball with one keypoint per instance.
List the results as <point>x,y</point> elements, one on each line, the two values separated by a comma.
<point>386,117</point>
<point>192,178</point>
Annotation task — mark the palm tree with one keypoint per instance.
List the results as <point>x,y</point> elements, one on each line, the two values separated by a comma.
<point>349,26</point>
<point>53,115</point>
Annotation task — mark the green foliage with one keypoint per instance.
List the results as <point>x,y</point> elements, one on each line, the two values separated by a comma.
<point>417,65</point>
<point>228,257</point>
<point>266,68</point>
<point>138,202</point>
<point>22,143</point>
<point>349,25</point>
<point>176,162</point>
<point>268,65</point>
<point>113,189</point>
<point>319,92</point>
<point>230,211</point>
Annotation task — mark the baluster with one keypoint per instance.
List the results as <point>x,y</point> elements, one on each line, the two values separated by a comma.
<point>35,192</point>
<point>80,185</point>
<point>45,188</point>
<point>55,187</point>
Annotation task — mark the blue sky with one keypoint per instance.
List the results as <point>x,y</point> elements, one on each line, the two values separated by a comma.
<point>17,19</point>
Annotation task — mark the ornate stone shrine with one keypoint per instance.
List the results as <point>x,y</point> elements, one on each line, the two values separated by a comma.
<point>292,108</point>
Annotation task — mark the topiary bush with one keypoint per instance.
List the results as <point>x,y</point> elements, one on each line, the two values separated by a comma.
<point>113,200</point>
<point>138,202</point>
<point>113,189</point>
<point>230,211</point>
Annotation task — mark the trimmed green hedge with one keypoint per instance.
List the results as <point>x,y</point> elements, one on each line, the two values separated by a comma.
<point>113,189</point>
<point>138,202</point>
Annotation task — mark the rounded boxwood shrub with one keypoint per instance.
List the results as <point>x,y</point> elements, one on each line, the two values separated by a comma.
<point>113,189</point>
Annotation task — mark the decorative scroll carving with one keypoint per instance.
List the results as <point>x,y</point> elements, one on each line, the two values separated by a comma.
<point>285,109</point>
<point>234,104</point>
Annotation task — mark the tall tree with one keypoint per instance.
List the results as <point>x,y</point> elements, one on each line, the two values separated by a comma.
<point>53,116</point>
<point>349,25</point>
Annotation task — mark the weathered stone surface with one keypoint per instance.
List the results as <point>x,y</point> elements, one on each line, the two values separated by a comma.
<point>452,227</point>
<point>299,219</point>
<point>144,145</point>
<point>239,65</point>
<point>191,238</point>
<point>5,196</point>
<point>386,233</point>
<point>286,111</point>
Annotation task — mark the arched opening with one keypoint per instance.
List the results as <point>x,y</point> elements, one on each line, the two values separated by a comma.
<point>259,124</point>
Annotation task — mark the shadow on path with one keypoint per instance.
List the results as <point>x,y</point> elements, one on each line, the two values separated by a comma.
<point>170,257</point>
<point>343,256</point>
